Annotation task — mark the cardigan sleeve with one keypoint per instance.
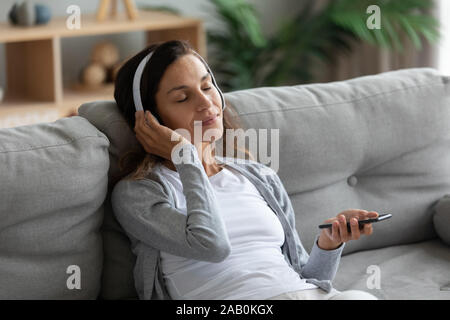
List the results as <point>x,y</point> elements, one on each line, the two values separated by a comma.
<point>319,264</point>
<point>146,213</point>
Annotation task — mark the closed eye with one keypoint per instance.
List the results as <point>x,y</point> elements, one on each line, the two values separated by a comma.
<point>206,89</point>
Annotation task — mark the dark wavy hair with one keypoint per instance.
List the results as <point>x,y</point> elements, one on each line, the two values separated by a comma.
<point>137,162</point>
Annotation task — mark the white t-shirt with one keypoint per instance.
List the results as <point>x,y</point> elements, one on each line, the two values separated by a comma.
<point>256,267</point>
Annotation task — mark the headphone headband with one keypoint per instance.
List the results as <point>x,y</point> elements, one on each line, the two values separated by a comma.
<point>137,82</point>
<point>138,76</point>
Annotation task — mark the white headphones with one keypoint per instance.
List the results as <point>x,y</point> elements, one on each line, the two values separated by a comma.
<point>138,76</point>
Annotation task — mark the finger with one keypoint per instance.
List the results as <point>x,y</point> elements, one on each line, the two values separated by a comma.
<point>360,214</point>
<point>137,117</point>
<point>368,230</point>
<point>146,122</point>
<point>143,128</point>
<point>328,232</point>
<point>138,114</point>
<point>148,119</point>
<point>151,119</point>
<point>354,213</point>
<point>355,229</point>
<point>343,228</point>
<point>140,121</point>
<point>372,214</point>
<point>335,232</point>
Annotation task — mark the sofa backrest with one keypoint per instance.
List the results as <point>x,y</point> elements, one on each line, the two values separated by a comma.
<point>377,143</point>
<point>53,182</point>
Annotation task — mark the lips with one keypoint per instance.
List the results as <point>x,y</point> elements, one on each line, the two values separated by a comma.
<point>209,120</point>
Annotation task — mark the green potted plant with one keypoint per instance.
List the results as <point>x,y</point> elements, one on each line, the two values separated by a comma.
<point>245,58</point>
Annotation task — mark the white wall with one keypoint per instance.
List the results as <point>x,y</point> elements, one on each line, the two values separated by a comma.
<point>76,50</point>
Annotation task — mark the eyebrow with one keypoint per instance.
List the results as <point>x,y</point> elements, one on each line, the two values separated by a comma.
<point>184,86</point>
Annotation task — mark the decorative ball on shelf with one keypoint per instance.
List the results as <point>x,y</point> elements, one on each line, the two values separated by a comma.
<point>106,54</point>
<point>13,15</point>
<point>93,75</point>
<point>28,14</point>
<point>43,14</point>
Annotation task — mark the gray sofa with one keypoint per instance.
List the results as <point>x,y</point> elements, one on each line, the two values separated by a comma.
<point>378,142</point>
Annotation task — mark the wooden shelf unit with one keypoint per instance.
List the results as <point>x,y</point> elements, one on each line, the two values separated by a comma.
<point>34,64</point>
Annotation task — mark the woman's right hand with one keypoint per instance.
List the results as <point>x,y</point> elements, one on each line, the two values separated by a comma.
<point>154,137</point>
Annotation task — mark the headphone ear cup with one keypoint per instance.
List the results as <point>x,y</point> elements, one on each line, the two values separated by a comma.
<point>221,96</point>
<point>218,89</point>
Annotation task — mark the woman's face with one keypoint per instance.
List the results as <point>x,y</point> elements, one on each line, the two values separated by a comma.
<point>186,96</point>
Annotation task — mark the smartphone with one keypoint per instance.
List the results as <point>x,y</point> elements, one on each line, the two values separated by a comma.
<point>361,223</point>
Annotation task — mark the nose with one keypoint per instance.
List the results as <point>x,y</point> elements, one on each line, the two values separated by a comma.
<point>205,100</point>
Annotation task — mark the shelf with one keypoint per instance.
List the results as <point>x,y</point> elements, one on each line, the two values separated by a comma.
<point>77,95</point>
<point>18,112</point>
<point>147,20</point>
<point>14,109</point>
<point>34,62</point>
<point>9,104</point>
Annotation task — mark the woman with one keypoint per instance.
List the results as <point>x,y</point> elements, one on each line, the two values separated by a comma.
<point>209,227</point>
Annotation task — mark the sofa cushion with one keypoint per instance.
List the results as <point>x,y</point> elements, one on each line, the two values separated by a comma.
<point>412,271</point>
<point>441,219</point>
<point>118,263</point>
<point>53,181</point>
<point>105,116</point>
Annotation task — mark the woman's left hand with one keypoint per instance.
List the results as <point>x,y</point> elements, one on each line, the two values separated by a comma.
<point>332,238</point>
